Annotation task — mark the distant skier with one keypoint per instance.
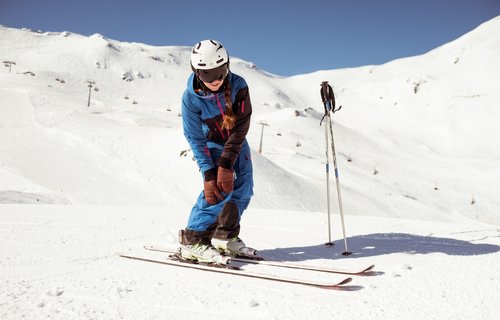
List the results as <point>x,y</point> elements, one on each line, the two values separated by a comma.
<point>216,112</point>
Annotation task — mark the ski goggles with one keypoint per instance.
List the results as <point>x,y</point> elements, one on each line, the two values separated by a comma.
<point>211,75</point>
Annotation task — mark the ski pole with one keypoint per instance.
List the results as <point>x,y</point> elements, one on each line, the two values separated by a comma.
<point>329,104</point>
<point>328,107</point>
<point>346,252</point>
<point>329,243</point>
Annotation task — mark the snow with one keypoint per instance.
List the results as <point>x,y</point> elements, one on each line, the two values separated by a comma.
<point>417,149</point>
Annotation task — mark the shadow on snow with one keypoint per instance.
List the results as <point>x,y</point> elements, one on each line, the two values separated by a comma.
<point>381,244</point>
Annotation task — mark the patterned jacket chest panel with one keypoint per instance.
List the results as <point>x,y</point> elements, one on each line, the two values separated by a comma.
<point>214,130</point>
<point>211,108</point>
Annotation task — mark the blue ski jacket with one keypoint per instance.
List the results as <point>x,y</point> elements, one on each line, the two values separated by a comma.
<point>202,116</point>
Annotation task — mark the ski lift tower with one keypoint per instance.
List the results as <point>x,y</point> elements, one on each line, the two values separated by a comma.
<point>263,124</point>
<point>90,85</point>
<point>9,64</point>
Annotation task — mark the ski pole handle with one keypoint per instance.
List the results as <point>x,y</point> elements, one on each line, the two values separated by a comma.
<point>327,96</point>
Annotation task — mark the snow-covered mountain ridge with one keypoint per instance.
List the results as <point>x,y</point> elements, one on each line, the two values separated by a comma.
<point>423,123</point>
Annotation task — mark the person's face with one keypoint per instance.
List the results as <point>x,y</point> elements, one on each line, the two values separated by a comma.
<point>213,78</point>
<point>214,85</point>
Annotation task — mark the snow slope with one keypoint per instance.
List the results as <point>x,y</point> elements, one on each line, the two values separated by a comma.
<point>417,146</point>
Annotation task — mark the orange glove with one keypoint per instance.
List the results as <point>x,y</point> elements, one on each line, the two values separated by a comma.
<point>225,180</point>
<point>212,192</point>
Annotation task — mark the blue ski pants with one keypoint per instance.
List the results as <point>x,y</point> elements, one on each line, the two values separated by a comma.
<point>223,218</point>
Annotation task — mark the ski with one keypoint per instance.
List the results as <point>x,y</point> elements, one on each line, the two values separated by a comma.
<point>262,261</point>
<point>239,272</point>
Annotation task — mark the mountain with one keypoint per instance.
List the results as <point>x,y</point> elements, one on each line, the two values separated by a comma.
<point>423,123</point>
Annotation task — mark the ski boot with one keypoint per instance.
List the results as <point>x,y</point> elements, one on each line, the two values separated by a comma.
<point>202,253</point>
<point>233,247</point>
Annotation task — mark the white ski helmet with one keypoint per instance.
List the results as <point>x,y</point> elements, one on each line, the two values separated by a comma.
<point>208,54</point>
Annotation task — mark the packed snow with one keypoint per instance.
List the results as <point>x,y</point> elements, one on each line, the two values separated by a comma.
<point>419,161</point>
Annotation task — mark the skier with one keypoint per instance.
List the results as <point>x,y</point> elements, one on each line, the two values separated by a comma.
<point>216,112</point>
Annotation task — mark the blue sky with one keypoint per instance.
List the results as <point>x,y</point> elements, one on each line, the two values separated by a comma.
<point>282,37</point>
